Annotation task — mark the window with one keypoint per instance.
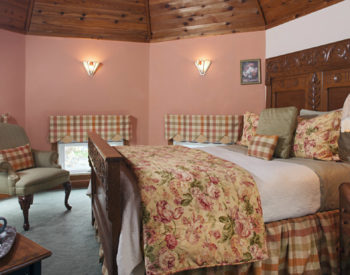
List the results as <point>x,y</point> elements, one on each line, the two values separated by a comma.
<point>74,156</point>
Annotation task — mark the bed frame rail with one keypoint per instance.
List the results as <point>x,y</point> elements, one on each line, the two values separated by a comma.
<point>106,205</point>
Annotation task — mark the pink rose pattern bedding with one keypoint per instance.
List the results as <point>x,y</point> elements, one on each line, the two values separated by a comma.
<point>197,210</point>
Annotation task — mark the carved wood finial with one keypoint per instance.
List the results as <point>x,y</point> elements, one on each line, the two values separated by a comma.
<point>315,92</point>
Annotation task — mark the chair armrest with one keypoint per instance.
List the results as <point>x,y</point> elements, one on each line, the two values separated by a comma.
<point>12,177</point>
<point>45,159</point>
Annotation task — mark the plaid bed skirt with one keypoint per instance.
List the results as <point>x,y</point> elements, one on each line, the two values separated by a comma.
<point>305,245</point>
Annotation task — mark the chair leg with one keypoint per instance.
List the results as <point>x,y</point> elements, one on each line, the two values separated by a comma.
<point>67,188</point>
<point>92,218</point>
<point>25,202</point>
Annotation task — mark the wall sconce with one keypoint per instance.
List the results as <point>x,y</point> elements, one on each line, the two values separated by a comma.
<point>91,67</point>
<point>202,65</point>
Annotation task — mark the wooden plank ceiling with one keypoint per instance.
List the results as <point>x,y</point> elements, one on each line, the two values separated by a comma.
<point>149,20</point>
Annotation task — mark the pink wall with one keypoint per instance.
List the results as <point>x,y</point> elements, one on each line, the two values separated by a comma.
<point>57,83</point>
<point>12,75</point>
<point>175,85</point>
<point>44,76</point>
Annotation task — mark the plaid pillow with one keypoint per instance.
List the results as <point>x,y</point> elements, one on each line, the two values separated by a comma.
<point>262,146</point>
<point>20,157</point>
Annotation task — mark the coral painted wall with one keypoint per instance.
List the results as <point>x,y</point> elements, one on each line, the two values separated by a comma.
<point>175,85</point>
<point>57,83</point>
<point>12,75</point>
<point>45,76</point>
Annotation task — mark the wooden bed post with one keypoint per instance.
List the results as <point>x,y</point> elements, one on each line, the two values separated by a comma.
<point>106,205</point>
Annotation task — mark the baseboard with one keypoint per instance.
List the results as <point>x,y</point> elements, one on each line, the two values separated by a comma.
<point>4,196</point>
<point>78,181</point>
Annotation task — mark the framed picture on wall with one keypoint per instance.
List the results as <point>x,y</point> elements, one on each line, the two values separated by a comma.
<point>250,71</point>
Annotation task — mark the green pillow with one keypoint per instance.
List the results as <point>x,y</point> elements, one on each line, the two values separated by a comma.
<point>344,146</point>
<point>279,122</point>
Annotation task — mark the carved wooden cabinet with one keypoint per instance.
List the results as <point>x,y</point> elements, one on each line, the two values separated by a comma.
<point>316,78</point>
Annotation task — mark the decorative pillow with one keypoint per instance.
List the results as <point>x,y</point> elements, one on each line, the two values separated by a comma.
<point>344,138</point>
<point>20,157</point>
<point>344,146</point>
<point>318,137</point>
<point>262,146</point>
<point>250,124</point>
<point>279,122</point>
<point>305,112</point>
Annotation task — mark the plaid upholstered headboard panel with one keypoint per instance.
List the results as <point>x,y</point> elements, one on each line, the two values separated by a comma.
<point>76,127</point>
<point>203,128</point>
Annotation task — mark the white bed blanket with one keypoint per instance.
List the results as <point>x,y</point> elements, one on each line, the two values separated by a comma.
<point>287,190</point>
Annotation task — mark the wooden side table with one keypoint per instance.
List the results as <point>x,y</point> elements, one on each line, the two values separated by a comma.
<point>24,258</point>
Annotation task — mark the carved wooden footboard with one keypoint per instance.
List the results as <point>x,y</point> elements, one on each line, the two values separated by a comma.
<point>105,164</point>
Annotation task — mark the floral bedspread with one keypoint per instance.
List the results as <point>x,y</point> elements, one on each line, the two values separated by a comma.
<point>197,210</point>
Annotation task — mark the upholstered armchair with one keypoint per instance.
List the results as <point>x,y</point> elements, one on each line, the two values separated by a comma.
<point>45,174</point>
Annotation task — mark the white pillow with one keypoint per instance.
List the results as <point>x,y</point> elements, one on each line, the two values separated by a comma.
<point>345,120</point>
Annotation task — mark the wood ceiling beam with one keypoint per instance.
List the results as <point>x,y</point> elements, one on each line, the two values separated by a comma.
<point>203,32</point>
<point>149,24</point>
<point>93,33</point>
<point>202,9</point>
<point>179,4</point>
<point>200,12</point>
<point>120,5</point>
<point>29,15</point>
<point>225,18</point>
<point>261,11</point>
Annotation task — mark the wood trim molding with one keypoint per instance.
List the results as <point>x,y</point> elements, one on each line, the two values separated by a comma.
<point>149,24</point>
<point>4,196</point>
<point>336,55</point>
<point>261,11</point>
<point>29,15</point>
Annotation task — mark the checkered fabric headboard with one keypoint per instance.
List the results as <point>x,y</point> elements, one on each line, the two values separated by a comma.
<point>204,128</point>
<point>109,127</point>
<point>4,118</point>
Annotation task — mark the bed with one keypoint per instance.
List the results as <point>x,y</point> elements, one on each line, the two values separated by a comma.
<point>316,79</point>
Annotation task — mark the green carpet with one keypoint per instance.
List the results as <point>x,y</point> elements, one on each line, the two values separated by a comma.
<point>67,234</point>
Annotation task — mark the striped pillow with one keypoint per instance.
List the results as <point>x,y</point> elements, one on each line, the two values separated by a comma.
<point>20,157</point>
<point>262,146</point>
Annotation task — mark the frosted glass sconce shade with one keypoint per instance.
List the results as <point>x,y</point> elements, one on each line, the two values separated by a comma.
<point>91,67</point>
<point>202,65</point>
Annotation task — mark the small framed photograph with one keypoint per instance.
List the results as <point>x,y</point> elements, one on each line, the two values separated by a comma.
<point>250,71</point>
